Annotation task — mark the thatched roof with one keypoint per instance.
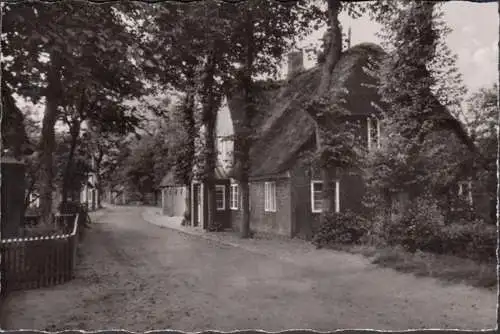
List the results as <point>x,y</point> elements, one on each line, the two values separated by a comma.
<point>282,126</point>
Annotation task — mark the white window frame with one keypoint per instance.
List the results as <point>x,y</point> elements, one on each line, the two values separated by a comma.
<point>270,196</point>
<point>468,185</point>
<point>313,208</point>
<point>337,196</point>
<point>234,195</point>
<point>369,123</point>
<point>223,188</point>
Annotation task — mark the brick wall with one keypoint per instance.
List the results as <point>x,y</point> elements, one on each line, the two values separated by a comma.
<point>236,219</point>
<point>304,221</point>
<point>279,222</point>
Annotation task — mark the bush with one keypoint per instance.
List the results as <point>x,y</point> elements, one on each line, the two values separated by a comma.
<point>475,240</point>
<point>422,227</point>
<point>418,227</point>
<point>216,226</point>
<point>340,228</point>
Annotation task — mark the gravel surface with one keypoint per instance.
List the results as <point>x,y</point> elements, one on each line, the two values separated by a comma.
<point>138,276</point>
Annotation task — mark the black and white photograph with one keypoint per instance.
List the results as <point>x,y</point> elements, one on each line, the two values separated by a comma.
<point>225,165</point>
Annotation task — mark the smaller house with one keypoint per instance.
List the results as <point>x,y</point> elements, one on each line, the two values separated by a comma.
<point>173,196</point>
<point>89,194</point>
<point>224,165</point>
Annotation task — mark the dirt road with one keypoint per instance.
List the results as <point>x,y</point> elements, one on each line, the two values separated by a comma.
<point>138,276</point>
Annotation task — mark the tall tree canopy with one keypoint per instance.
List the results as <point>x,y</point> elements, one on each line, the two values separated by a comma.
<point>57,52</point>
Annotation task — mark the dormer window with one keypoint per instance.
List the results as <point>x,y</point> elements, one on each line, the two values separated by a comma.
<point>373,133</point>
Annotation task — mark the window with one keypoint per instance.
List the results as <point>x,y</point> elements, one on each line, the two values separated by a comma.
<point>235,195</point>
<point>317,196</point>
<point>270,196</point>
<point>220,197</point>
<point>373,128</point>
<point>465,190</point>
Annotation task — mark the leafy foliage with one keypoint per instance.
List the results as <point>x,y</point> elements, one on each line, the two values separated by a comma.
<point>64,52</point>
<point>412,117</point>
<point>341,228</point>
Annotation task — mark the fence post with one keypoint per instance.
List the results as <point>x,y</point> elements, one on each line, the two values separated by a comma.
<point>74,244</point>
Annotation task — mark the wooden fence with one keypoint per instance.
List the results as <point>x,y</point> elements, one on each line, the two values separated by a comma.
<point>35,262</point>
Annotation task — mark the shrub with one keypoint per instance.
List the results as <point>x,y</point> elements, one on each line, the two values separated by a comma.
<point>216,226</point>
<point>422,227</point>
<point>340,228</point>
<point>418,227</point>
<point>475,240</point>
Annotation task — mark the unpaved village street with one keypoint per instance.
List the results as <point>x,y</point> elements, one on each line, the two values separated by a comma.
<point>137,276</point>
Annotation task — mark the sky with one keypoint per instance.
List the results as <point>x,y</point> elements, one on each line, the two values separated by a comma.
<point>474,39</point>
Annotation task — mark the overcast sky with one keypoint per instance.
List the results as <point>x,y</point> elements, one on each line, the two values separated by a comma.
<point>474,39</point>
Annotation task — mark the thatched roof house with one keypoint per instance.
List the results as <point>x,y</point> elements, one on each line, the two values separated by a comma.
<point>284,192</point>
<point>283,128</point>
<point>281,125</point>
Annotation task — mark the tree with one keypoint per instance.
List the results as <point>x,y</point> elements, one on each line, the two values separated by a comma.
<point>483,111</point>
<point>417,156</point>
<point>52,47</point>
<point>334,142</point>
<point>183,54</point>
<point>14,135</point>
<point>261,34</point>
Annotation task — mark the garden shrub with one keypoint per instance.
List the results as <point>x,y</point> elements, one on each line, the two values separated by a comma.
<point>423,227</point>
<point>475,240</point>
<point>216,226</point>
<point>417,228</point>
<point>341,228</point>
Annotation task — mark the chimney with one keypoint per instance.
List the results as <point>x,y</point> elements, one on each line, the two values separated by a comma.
<point>295,63</point>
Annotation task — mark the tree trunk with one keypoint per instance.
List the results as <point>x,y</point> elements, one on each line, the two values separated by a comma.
<point>187,213</point>
<point>47,144</point>
<point>68,171</point>
<point>245,139</point>
<point>97,173</point>
<point>189,123</point>
<point>332,56</point>
<point>245,208</point>
<point>210,173</point>
<point>242,149</point>
<point>210,105</point>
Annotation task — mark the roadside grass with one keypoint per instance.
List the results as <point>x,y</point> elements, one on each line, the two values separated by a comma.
<point>444,267</point>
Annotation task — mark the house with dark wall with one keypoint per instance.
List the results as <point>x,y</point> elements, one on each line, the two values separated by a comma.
<point>174,193</point>
<point>285,188</point>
